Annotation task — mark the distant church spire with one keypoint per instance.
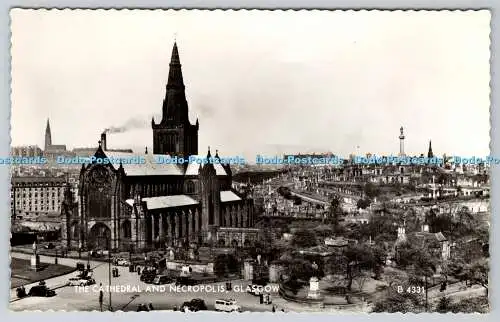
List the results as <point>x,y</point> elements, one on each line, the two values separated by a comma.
<point>48,136</point>
<point>430,154</point>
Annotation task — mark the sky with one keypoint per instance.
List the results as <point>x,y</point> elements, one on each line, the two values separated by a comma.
<point>260,82</point>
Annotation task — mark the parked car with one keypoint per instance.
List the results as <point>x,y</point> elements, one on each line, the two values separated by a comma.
<point>118,261</point>
<point>194,305</point>
<point>42,291</point>
<point>182,280</point>
<point>21,292</point>
<point>77,281</point>
<point>162,279</point>
<point>148,277</point>
<point>227,305</point>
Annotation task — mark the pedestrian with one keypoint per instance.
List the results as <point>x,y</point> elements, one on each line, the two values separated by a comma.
<point>101,296</point>
<point>150,305</point>
<point>274,309</point>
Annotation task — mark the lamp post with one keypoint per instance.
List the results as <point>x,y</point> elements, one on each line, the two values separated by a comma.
<point>80,249</point>
<point>109,270</point>
<point>88,260</point>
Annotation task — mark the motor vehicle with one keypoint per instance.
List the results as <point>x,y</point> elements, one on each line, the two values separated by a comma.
<point>182,280</point>
<point>194,305</point>
<point>227,305</point>
<point>255,289</point>
<point>148,277</point>
<point>85,274</point>
<point>121,262</point>
<point>162,279</point>
<point>76,281</point>
<point>42,291</point>
<point>50,246</point>
<point>21,292</point>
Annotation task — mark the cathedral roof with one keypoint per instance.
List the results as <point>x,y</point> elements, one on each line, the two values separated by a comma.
<point>169,201</point>
<point>149,168</point>
<point>193,168</point>
<point>228,196</point>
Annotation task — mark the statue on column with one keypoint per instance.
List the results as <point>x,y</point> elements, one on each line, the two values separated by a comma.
<point>35,248</point>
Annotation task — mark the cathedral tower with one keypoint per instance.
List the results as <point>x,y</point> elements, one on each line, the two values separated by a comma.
<point>175,135</point>
<point>429,153</point>
<point>48,136</point>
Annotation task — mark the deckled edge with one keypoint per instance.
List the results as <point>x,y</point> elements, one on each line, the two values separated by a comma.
<point>250,9</point>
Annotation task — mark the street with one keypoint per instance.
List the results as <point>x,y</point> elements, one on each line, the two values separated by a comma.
<point>74,298</point>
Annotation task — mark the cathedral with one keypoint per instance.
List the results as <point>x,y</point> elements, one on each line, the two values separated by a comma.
<point>150,206</point>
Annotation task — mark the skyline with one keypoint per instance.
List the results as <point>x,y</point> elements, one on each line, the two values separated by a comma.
<point>291,66</point>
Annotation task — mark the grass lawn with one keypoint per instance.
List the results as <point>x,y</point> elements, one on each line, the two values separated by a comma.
<point>21,273</point>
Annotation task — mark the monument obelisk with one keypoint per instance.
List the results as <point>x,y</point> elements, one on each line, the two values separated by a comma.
<point>35,259</point>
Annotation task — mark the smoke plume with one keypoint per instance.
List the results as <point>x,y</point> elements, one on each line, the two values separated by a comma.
<point>138,122</point>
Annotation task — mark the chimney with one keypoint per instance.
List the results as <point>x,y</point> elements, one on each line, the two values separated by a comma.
<point>103,141</point>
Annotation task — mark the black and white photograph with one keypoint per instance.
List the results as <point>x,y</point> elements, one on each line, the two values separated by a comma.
<point>331,161</point>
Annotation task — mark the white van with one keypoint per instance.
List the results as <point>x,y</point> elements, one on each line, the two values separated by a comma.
<point>227,306</point>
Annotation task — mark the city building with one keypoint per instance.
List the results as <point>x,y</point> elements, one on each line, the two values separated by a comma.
<point>26,151</point>
<point>34,196</point>
<point>151,205</point>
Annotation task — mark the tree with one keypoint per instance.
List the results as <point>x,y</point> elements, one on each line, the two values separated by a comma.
<point>358,259</point>
<point>479,274</point>
<point>304,238</point>
<point>363,203</point>
<point>371,190</point>
<point>335,212</point>
<point>444,305</point>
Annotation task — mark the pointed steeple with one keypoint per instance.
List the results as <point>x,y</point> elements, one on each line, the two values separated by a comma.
<point>175,79</point>
<point>175,108</point>
<point>48,136</point>
<point>430,154</point>
<point>217,154</point>
<point>208,154</point>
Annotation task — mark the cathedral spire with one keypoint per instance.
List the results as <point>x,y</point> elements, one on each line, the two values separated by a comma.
<point>48,136</point>
<point>430,154</point>
<point>208,154</point>
<point>175,79</point>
